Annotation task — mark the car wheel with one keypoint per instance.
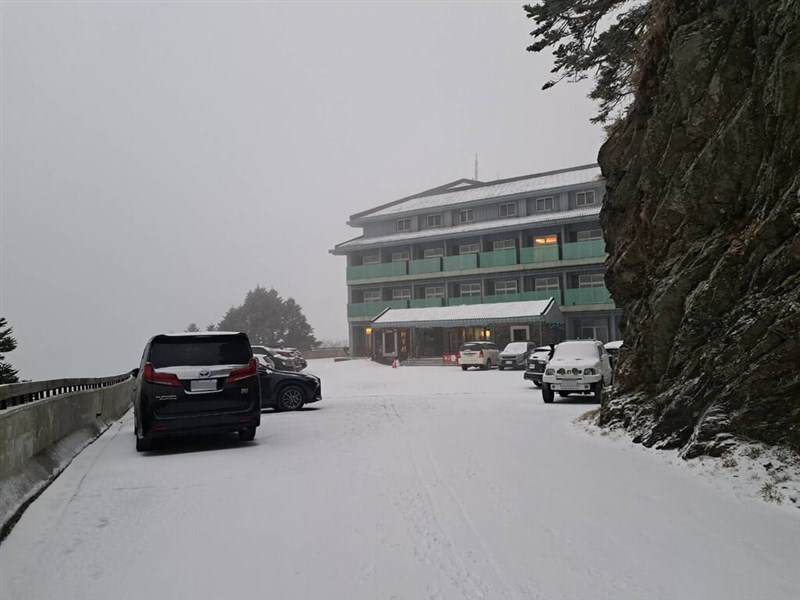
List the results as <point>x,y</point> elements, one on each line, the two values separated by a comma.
<point>547,393</point>
<point>247,435</point>
<point>598,392</point>
<point>143,444</point>
<point>291,397</point>
<point>464,367</point>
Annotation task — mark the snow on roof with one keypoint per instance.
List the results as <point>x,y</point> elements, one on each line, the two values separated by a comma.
<point>485,191</point>
<point>481,226</point>
<point>470,314</point>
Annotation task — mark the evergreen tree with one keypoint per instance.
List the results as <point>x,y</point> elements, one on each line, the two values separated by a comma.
<point>604,37</point>
<point>7,343</point>
<point>192,328</point>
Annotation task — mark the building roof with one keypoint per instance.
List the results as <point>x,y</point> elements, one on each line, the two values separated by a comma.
<point>549,218</point>
<point>477,191</point>
<point>468,315</point>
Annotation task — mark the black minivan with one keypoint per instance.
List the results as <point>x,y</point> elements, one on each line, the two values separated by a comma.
<point>196,383</point>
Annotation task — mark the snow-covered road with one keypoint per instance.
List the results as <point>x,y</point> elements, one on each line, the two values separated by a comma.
<point>410,483</point>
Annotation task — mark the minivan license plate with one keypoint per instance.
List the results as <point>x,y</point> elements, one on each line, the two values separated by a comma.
<point>204,385</point>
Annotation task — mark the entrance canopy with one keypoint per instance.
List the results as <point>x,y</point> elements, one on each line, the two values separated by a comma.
<point>471,315</point>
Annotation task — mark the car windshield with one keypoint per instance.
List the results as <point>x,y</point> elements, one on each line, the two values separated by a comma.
<point>193,351</point>
<point>516,347</point>
<point>576,350</point>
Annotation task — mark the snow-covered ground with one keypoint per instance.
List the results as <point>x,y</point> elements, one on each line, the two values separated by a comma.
<point>410,483</point>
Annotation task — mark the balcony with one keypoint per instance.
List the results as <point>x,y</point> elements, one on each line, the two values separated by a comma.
<point>590,249</point>
<point>425,265</point>
<point>587,295</point>
<point>392,269</point>
<point>461,262</point>
<point>498,258</point>
<point>539,254</point>
<point>524,297</point>
<point>464,300</point>
<point>426,302</point>
<point>370,310</point>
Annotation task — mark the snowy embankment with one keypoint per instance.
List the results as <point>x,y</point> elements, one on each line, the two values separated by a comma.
<point>402,483</point>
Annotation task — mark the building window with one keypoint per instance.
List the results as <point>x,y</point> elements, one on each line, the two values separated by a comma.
<point>466,216</point>
<point>434,291</point>
<point>504,245</point>
<point>401,294</point>
<point>544,204</point>
<point>399,256</point>
<point>372,296</point>
<point>592,280</point>
<point>508,210</point>
<point>590,234</point>
<point>546,283</point>
<point>505,287</point>
<point>469,248</point>
<point>433,252</point>
<point>469,289</point>
<point>434,221</point>
<point>545,240</point>
<point>372,259</point>
<point>584,198</point>
<point>594,329</point>
<point>403,224</point>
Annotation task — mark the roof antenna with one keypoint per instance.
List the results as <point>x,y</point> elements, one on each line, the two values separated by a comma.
<point>476,166</point>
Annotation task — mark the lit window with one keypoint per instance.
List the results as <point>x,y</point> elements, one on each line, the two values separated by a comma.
<point>403,224</point>
<point>434,221</point>
<point>466,216</point>
<point>544,204</point>
<point>469,248</point>
<point>470,289</point>
<point>508,210</point>
<point>545,240</point>
<point>592,280</point>
<point>584,198</point>
<point>546,283</point>
<point>502,288</point>
<point>433,252</point>
<point>504,245</point>
<point>399,256</point>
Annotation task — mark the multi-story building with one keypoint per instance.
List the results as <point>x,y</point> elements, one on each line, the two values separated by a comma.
<point>471,242</point>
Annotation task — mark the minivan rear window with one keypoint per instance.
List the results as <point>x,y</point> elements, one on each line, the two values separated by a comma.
<point>476,347</point>
<point>199,351</point>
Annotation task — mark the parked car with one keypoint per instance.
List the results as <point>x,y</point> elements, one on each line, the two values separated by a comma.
<point>281,361</point>
<point>577,366</point>
<point>613,349</point>
<point>536,363</point>
<point>478,354</point>
<point>300,363</point>
<point>196,383</point>
<point>514,354</point>
<point>264,360</point>
<point>285,391</point>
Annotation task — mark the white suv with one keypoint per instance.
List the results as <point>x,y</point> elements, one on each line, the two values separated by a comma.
<point>478,354</point>
<point>577,366</point>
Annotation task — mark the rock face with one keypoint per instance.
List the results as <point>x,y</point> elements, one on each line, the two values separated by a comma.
<point>702,223</point>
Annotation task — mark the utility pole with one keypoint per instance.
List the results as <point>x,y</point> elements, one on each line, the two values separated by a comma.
<point>476,166</point>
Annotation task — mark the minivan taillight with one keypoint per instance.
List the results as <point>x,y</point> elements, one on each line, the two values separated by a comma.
<point>248,371</point>
<point>153,376</point>
<point>481,354</point>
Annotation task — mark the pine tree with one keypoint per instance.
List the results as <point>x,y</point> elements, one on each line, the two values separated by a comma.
<point>192,328</point>
<point>7,343</point>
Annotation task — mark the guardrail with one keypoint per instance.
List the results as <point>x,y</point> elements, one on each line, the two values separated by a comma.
<point>15,394</point>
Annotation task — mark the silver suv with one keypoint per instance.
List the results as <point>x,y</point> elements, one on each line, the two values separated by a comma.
<point>577,366</point>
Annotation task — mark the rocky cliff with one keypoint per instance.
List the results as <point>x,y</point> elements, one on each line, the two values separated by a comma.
<point>702,222</point>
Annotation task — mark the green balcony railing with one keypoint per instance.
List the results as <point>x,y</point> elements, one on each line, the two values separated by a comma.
<point>538,254</point>
<point>587,295</point>
<point>424,265</point>
<point>464,300</point>
<point>460,262</point>
<point>498,258</point>
<point>543,295</point>
<point>590,249</point>
<point>370,310</point>
<point>426,302</point>
<point>502,298</point>
<point>391,269</point>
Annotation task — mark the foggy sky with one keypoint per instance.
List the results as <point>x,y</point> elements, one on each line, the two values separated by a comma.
<point>161,159</point>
